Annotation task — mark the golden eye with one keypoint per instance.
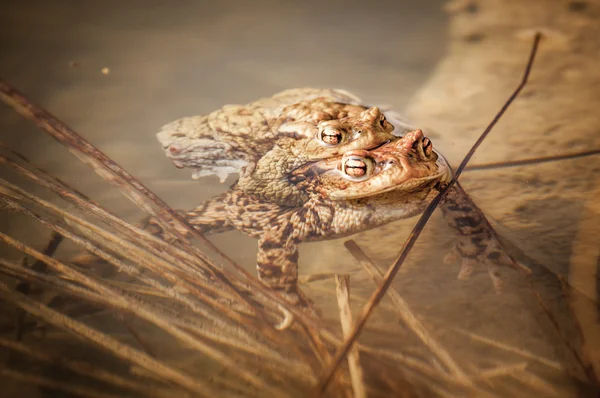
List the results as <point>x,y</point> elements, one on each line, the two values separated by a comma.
<point>382,121</point>
<point>357,168</point>
<point>427,146</point>
<point>331,136</point>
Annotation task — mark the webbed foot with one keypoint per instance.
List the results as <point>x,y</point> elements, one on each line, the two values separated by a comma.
<point>478,243</point>
<point>472,252</point>
<point>298,300</point>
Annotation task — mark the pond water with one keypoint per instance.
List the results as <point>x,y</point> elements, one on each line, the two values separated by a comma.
<point>117,71</point>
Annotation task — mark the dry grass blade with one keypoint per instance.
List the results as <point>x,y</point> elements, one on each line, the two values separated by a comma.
<point>123,248</point>
<point>135,190</point>
<point>162,371</point>
<point>93,156</point>
<point>88,370</point>
<point>156,259</point>
<point>24,287</point>
<point>75,390</point>
<point>500,371</point>
<point>185,278</point>
<point>342,283</point>
<point>328,373</point>
<point>256,350</point>
<point>406,314</point>
<point>121,300</point>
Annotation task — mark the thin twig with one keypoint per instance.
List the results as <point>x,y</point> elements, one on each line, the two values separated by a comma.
<point>380,292</point>
<point>342,283</point>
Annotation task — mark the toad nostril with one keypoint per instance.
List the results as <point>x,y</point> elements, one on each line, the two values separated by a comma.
<point>174,150</point>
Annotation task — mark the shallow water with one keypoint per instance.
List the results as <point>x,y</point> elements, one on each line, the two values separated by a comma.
<point>116,73</point>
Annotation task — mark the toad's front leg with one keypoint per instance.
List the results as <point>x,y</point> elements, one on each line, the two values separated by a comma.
<point>210,217</point>
<point>478,242</point>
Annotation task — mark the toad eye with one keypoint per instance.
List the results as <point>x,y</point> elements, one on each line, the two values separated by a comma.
<point>357,168</point>
<point>331,136</point>
<point>382,121</point>
<point>427,146</point>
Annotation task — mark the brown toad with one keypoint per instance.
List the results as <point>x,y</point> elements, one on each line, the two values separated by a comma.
<point>360,190</point>
<point>267,139</point>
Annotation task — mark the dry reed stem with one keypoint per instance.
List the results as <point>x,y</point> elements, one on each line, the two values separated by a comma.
<point>164,372</point>
<point>380,292</point>
<point>44,382</point>
<point>406,314</point>
<point>498,371</point>
<point>113,173</point>
<point>268,358</point>
<point>253,325</point>
<point>156,265</point>
<point>25,288</point>
<point>158,247</point>
<point>266,297</point>
<point>413,362</point>
<point>149,262</point>
<point>86,369</point>
<point>342,283</point>
<point>121,300</point>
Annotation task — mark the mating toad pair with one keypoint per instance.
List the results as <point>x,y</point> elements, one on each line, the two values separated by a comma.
<point>315,165</point>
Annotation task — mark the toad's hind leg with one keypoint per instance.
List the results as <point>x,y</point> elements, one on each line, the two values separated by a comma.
<point>209,218</point>
<point>277,264</point>
<point>478,241</point>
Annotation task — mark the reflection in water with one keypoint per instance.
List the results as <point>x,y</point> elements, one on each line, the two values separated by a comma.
<point>192,331</point>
